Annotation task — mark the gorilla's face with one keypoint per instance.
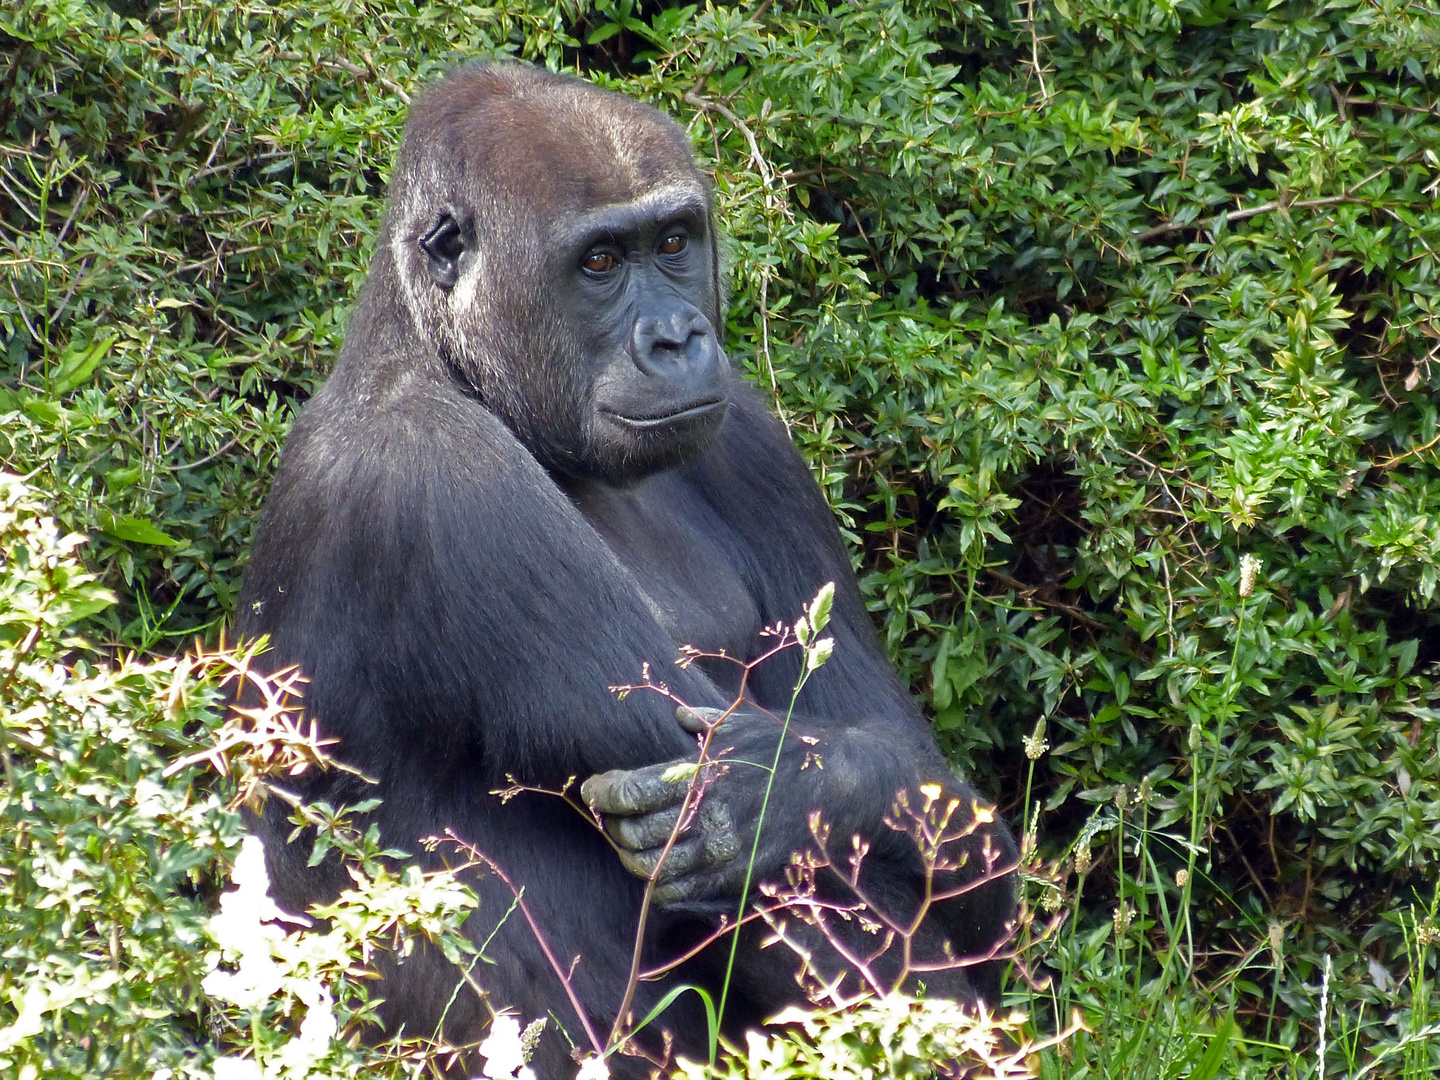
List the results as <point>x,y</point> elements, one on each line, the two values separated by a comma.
<point>569,276</point>
<point>638,282</point>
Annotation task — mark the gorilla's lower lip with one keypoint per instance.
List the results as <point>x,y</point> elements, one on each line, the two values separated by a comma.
<point>692,412</point>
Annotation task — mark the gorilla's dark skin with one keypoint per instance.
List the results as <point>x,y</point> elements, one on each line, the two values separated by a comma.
<point>532,473</point>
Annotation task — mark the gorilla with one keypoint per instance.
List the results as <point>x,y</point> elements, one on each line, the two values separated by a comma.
<point>532,474</point>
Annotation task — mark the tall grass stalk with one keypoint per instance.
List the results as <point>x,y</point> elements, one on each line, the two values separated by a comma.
<point>1324,1008</point>
<point>817,650</point>
<point>1200,806</point>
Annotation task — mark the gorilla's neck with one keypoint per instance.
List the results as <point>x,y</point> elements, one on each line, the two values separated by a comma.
<point>381,342</point>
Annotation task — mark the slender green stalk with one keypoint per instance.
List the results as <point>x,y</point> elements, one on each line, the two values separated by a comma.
<point>1120,927</point>
<point>814,652</point>
<point>1199,812</point>
<point>750,865</point>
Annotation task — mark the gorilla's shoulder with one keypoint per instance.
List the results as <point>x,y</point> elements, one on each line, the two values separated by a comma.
<point>413,429</point>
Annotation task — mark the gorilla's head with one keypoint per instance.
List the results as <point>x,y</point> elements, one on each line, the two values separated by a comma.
<point>554,242</point>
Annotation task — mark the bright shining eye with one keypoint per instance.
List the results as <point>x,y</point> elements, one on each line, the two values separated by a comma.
<point>599,262</point>
<point>674,245</point>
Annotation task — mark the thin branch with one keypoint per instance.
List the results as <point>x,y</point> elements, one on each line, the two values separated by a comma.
<point>74,209</point>
<point>25,318</point>
<point>202,461</point>
<point>74,284</point>
<point>1396,459</point>
<point>350,67</point>
<point>1348,196</point>
<point>560,972</point>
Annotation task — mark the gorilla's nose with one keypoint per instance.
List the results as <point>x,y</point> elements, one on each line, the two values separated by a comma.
<point>676,344</point>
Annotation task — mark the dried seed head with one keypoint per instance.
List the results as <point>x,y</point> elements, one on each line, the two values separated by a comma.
<point>1249,567</point>
<point>531,1035</point>
<point>1276,934</point>
<point>1028,843</point>
<point>1123,917</point>
<point>1035,744</point>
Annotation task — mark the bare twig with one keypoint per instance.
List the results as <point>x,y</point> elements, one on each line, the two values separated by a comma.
<point>202,461</point>
<point>74,209</point>
<point>563,974</point>
<point>1348,196</point>
<point>1396,459</point>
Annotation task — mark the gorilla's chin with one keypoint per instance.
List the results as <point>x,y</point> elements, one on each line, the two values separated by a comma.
<point>627,449</point>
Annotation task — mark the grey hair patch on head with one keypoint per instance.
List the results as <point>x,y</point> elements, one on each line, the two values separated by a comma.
<point>678,190</point>
<point>400,255</point>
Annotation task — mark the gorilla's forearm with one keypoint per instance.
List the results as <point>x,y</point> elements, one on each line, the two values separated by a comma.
<point>848,776</point>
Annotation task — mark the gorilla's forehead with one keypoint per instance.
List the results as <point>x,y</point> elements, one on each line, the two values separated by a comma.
<point>576,159</point>
<point>553,145</point>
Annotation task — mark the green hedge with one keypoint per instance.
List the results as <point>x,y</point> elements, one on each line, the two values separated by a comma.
<point>1071,305</point>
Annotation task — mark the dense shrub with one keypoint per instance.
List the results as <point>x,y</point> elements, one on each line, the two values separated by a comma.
<point>101,940</point>
<point>115,962</point>
<point>1072,306</point>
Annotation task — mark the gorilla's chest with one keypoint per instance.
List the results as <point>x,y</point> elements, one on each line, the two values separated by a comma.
<point>686,561</point>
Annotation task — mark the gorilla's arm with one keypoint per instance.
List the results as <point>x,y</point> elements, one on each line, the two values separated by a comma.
<point>856,738</point>
<point>442,595</point>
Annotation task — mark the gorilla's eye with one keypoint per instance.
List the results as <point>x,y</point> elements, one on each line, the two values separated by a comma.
<point>599,262</point>
<point>674,244</point>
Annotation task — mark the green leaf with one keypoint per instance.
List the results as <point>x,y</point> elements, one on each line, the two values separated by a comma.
<point>135,530</point>
<point>47,412</point>
<point>1209,1065</point>
<point>77,365</point>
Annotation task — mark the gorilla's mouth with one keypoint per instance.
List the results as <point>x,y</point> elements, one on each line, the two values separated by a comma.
<point>648,423</point>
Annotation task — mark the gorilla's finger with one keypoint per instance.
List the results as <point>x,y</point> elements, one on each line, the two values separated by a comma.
<point>684,857</point>
<point>696,859</point>
<point>697,719</point>
<point>701,855</point>
<point>678,892</point>
<point>717,832</point>
<point>642,830</point>
<point>697,856</point>
<point>633,791</point>
<point>695,877</point>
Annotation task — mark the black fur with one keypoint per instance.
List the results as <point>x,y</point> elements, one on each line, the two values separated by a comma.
<point>530,474</point>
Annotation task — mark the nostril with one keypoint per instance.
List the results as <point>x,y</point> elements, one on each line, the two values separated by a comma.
<point>669,341</point>
<point>669,336</point>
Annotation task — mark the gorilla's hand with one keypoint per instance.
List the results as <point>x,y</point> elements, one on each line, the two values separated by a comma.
<point>640,807</point>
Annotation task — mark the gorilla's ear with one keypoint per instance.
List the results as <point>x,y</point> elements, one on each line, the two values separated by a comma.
<point>442,247</point>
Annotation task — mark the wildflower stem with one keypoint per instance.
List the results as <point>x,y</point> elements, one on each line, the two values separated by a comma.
<point>750,865</point>
<point>1200,808</point>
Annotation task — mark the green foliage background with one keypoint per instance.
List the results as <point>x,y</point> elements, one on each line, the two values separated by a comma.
<point>1070,304</point>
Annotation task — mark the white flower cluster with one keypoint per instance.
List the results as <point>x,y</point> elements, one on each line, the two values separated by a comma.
<point>507,1048</point>
<point>246,931</point>
<point>503,1052</point>
<point>1249,567</point>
